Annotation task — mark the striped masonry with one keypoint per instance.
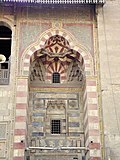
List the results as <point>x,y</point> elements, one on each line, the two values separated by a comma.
<point>20,119</point>
<point>31,54</point>
<point>74,123</point>
<point>91,119</point>
<point>37,118</point>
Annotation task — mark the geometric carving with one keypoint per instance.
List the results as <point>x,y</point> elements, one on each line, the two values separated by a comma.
<point>38,103</point>
<point>55,57</point>
<point>75,73</point>
<point>73,104</point>
<point>55,105</point>
<point>56,44</point>
<point>36,71</point>
<point>38,142</point>
<point>2,131</point>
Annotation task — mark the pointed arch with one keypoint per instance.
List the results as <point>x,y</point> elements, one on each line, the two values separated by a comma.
<point>90,101</point>
<point>7,22</point>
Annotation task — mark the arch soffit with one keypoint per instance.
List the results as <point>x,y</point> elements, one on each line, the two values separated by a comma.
<point>39,44</point>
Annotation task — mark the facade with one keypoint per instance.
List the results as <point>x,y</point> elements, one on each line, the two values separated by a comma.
<point>59,80</point>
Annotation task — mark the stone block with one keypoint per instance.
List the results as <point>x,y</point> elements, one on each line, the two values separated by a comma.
<point>2,149</point>
<point>4,112</point>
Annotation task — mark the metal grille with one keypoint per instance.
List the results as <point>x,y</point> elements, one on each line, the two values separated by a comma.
<point>55,127</point>
<point>4,73</point>
<point>56,77</point>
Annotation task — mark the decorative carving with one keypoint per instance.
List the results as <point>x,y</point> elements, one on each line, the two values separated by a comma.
<point>38,103</point>
<point>56,56</point>
<point>69,143</point>
<point>55,105</point>
<point>73,104</point>
<point>43,143</point>
<point>57,45</point>
<point>36,71</point>
<point>60,143</point>
<point>56,108</point>
<point>53,142</point>
<point>75,73</point>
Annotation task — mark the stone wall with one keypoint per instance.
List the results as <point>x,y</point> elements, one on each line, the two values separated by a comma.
<point>7,95</point>
<point>31,28</point>
<point>109,45</point>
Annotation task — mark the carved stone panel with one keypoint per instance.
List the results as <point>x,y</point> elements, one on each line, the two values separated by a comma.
<point>2,131</point>
<point>46,107</point>
<point>37,71</point>
<point>75,73</point>
<point>73,104</point>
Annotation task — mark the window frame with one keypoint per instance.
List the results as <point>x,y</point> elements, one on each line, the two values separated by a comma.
<point>56,77</point>
<point>6,35</point>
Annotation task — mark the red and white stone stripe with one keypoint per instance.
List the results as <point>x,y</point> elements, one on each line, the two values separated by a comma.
<point>91,117</point>
<point>20,129</point>
<point>30,53</point>
<point>91,121</point>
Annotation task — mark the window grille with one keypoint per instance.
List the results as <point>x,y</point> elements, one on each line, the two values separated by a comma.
<point>5,51</point>
<point>55,127</point>
<point>56,77</point>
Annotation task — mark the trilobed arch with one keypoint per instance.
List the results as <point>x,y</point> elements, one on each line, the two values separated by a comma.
<point>32,50</point>
<point>56,56</point>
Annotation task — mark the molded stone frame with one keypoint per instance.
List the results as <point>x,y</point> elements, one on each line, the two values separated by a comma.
<point>7,22</point>
<point>90,101</point>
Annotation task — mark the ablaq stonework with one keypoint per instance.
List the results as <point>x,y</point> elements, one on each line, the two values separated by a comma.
<point>59,80</point>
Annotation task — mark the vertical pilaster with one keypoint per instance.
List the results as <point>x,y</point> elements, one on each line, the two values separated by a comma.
<point>20,119</point>
<point>91,119</point>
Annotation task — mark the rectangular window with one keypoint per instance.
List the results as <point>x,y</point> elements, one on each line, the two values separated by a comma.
<point>56,77</point>
<point>55,127</point>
